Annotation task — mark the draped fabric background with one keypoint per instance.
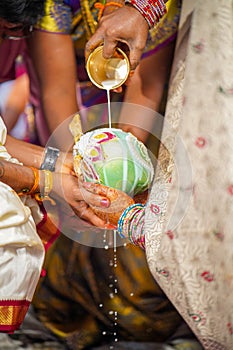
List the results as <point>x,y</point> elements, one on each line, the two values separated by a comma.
<point>189,214</point>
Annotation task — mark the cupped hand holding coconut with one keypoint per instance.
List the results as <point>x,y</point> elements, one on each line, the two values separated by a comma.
<point>112,163</point>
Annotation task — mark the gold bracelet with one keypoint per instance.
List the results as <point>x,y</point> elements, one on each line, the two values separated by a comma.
<point>48,183</point>
<point>48,186</point>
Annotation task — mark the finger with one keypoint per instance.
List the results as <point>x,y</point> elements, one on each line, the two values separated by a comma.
<point>99,189</point>
<point>87,214</point>
<point>95,194</point>
<point>131,73</point>
<point>95,41</point>
<point>118,90</point>
<point>134,58</point>
<point>109,47</point>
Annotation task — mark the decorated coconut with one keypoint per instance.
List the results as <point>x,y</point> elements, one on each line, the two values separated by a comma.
<point>114,158</point>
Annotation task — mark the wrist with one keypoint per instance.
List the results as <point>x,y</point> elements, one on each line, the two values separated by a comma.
<point>131,223</point>
<point>151,10</point>
<point>64,163</point>
<point>57,187</point>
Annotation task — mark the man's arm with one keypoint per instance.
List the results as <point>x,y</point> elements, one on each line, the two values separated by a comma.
<point>16,176</point>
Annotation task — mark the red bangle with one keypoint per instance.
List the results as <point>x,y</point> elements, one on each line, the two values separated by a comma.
<point>152,10</point>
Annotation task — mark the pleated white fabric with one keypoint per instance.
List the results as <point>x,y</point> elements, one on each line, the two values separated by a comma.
<point>21,250</point>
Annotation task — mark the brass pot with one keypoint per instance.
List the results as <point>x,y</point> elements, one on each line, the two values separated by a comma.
<point>108,73</point>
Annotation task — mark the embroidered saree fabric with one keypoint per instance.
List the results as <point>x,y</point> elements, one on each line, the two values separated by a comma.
<point>188,222</point>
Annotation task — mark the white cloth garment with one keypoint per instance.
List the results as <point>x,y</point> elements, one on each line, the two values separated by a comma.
<point>21,250</point>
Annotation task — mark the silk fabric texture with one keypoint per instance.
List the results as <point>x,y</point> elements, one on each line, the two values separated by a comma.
<point>189,241</point>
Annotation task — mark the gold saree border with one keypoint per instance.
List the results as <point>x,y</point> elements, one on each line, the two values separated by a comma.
<point>12,314</point>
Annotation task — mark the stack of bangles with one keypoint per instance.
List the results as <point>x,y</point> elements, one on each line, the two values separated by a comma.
<point>46,187</point>
<point>131,224</point>
<point>152,10</point>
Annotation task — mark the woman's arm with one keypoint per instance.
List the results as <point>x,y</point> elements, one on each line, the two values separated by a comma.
<point>54,60</point>
<point>146,88</point>
<point>16,101</point>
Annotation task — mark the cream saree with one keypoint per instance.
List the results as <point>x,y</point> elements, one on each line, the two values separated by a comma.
<point>189,215</point>
<point>21,250</point>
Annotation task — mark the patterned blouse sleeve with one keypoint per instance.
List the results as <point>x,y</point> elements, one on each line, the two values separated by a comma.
<point>57,17</point>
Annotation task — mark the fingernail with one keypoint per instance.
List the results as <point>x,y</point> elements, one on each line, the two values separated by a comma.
<point>87,184</point>
<point>110,226</point>
<point>104,202</point>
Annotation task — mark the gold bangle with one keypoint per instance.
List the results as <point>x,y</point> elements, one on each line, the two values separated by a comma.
<point>48,186</point>
<point>48,183</point>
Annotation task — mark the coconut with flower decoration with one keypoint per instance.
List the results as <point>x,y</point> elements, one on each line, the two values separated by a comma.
<point>113,158</point>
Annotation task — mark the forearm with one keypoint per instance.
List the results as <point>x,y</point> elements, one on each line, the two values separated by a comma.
<point>58,108</point>
<point>146,88</point>
<point>56,71</point>
<point>26,180</point>
<point>33,155</point>
<point>27,153</point>
<point>16,176</point>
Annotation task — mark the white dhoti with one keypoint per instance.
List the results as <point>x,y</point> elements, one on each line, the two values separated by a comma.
<point>21,250</point>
